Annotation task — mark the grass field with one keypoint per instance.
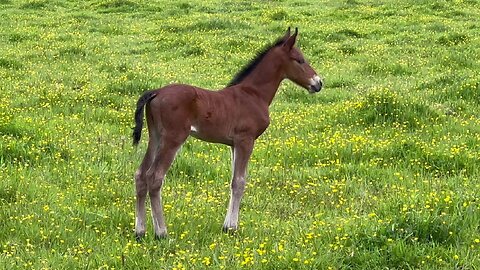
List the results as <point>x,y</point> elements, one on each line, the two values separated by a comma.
<point>380,170</point>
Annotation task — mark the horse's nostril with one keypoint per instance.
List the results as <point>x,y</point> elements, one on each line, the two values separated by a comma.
<point>315,88</point>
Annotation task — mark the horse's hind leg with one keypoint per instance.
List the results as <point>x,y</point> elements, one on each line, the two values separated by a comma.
<point>156,176</point>
<point>141,190</point>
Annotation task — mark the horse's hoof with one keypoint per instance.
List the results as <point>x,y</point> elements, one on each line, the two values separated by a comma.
<point>139,236</point>
<point>229,230</point>
<point>160,237</point>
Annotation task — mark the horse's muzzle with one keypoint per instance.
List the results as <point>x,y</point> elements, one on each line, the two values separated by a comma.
<point>316,84</point>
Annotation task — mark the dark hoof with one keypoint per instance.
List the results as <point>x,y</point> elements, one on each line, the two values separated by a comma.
<point>139,236</point>
<point>230,231</point>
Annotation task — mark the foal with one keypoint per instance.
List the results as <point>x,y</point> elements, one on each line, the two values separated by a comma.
<point>235,116</point>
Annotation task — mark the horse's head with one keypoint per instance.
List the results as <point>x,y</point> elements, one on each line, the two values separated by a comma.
<point>296,67</point>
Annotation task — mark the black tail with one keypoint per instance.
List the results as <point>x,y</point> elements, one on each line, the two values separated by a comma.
<point>144,99</point>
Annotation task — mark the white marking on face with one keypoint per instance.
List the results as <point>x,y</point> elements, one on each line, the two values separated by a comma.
<point>315,80</point>
<point>193,129</point>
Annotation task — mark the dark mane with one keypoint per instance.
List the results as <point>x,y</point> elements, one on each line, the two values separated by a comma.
<point>248,68</point>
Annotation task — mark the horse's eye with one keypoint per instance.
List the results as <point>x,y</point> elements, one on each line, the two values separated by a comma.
<point>300,61</point>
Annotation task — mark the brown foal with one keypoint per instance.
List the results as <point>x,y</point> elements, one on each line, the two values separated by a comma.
<point>235,116</point>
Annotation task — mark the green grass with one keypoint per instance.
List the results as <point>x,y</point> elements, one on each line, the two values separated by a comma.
<point>379,170</point>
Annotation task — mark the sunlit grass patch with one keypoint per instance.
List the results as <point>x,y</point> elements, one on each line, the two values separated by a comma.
<point>379,170</point>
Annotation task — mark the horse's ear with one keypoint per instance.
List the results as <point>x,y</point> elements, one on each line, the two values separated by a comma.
<point>287,34</point>
<point>291,40</point>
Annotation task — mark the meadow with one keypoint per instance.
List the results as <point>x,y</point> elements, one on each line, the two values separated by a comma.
<point>380,170</point>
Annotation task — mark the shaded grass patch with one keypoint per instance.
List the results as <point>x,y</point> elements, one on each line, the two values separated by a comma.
<point>117,6</point>
<point>10,64</point>
<point>34,5</point>
<point>453,87</point>
<point>383,105</point>
<point>453,39</point>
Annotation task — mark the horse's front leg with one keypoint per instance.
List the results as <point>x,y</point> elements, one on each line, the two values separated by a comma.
<point>241,152</point>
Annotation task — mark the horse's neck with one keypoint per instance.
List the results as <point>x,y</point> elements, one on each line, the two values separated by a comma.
<point>265,79</point>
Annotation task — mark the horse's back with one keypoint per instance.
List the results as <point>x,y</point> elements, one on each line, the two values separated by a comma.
<point>175,93</point>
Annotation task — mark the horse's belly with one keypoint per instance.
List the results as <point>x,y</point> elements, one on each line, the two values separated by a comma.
<point>209,136</point>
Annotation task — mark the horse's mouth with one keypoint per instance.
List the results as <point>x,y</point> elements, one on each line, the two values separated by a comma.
<point>312,89</point>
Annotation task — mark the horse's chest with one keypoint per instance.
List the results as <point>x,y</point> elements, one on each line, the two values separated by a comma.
<point>254,124</point>
<point>262,124</point>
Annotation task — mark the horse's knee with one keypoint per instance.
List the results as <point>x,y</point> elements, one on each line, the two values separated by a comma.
<point>138,175</point>
<point>238,185</point>
<point>155,183</point>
